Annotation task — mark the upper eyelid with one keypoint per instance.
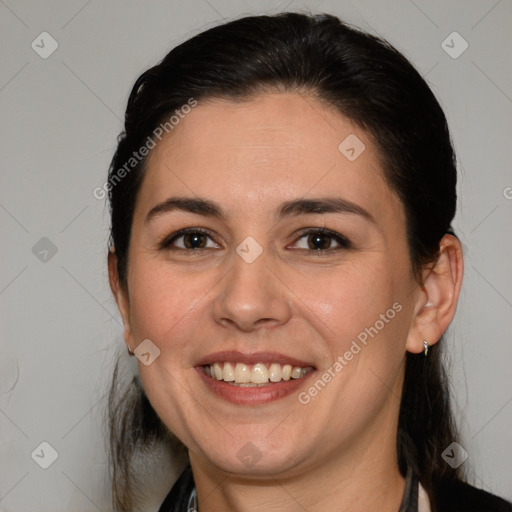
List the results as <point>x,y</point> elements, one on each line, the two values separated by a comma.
<point>322,229</point>
<point>325,231</point>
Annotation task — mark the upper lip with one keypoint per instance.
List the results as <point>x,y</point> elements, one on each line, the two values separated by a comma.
<point>234,356</point>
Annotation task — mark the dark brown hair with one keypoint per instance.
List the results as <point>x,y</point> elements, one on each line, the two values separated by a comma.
<point>363,78</point>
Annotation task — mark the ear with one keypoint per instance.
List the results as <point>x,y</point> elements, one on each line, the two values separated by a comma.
<point>121,296</point>
<point>437,301</point>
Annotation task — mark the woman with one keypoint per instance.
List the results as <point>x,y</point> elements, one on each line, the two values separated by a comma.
<point>283,260</point>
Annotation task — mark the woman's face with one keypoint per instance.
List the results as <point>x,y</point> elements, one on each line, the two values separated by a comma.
<point>294,254</point>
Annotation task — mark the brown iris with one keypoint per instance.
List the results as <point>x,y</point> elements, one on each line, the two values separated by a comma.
<point>194,240</point>
<point>319,241</point>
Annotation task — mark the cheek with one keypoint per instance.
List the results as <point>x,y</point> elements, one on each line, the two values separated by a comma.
<point>361,314</point>
<point>160,300</point>
<point>346,299</point>
<point>363,320</point>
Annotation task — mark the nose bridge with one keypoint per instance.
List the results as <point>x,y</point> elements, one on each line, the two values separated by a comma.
<point>251,296</point>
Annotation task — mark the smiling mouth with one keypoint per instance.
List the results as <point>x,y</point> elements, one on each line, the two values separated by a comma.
<point>257,375</point>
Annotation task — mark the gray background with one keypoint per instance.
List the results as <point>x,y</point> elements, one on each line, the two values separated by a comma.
<point>60,117</point>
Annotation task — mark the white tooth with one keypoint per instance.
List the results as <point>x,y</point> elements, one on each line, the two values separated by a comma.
<point>217,371</point>
<point>228,373</point>
<point>259,374</point>
<point>274,372</point>
<point>286,372</point>
<point>207,370</point>
<point>242,373</point>
<point>297,373</point>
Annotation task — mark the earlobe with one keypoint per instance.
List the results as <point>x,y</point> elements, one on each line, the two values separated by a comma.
<point>121,297</point>
<point>438,298</point>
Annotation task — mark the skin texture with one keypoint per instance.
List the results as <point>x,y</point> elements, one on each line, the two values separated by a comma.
<point>338,451</point>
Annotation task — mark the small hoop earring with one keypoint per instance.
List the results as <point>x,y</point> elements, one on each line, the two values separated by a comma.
<point>130,351</point>
<point>425,347</point>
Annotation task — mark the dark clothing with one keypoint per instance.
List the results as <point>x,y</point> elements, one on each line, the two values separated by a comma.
<point>178,499</point>
<point>451,496</point>
<point>461,497</point>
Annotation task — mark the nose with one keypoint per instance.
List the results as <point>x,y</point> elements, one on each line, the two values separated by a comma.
<point>252,297</point>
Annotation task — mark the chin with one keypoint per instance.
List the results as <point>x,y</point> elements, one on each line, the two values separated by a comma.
<point>250,458</point>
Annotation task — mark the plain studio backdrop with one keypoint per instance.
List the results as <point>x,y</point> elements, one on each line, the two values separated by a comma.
<point>66,72</point>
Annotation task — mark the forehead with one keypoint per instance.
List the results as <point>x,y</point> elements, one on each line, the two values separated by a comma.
<point>273,147</point>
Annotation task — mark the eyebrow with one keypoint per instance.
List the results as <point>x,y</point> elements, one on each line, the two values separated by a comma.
<point>187,204</point>
<point>208,208</point>
<point>324,205</point>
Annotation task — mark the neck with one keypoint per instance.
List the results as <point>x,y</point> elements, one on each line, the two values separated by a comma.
<point>315,492</point>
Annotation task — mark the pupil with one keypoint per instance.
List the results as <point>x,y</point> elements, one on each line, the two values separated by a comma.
<point>319,242</point>
<point>195,241</point>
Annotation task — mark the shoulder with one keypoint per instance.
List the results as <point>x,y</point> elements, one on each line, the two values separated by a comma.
<point>457,496</point>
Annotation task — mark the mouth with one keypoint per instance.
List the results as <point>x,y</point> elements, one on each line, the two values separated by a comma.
<point>251,379</point>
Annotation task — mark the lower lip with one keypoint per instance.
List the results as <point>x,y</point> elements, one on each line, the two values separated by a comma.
<point>253,395</point>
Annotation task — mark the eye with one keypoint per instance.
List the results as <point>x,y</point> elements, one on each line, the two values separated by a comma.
<point>321,240</point>
<point>190,239</point>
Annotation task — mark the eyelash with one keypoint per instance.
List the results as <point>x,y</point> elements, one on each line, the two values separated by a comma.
<point>344,242</point>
